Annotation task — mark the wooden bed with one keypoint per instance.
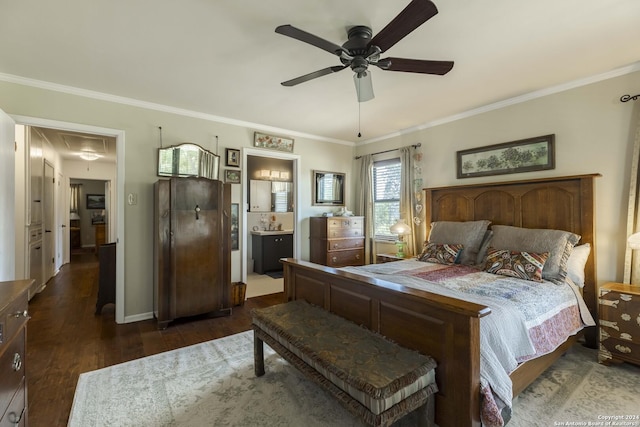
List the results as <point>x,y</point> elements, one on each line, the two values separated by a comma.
<point>446,328</point>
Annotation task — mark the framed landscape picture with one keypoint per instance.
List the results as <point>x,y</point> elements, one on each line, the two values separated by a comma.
<point>232,176</point>
<point>281,143</point>
<point>95,201</point>
<point>525,155</point>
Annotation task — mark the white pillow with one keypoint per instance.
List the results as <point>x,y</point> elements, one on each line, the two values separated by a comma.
<point>576,263</point>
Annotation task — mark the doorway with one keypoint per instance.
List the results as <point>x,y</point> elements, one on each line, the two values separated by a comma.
<point>275,162</point>
<point>117,199</point>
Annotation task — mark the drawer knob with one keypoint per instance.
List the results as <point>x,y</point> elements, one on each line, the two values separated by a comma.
<point>358,256</point>
<point>17,362</point>
<point>15,418</point>
<point>334,259</point>
<point>24,313</point>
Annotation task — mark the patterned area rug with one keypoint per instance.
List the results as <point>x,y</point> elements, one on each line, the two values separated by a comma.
<point>213,384</point>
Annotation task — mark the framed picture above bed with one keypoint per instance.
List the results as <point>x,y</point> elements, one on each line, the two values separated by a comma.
<point>525,155</point>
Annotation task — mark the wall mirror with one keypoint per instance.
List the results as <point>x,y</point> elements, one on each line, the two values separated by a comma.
<point>188,159</point>
<point>328,188</point>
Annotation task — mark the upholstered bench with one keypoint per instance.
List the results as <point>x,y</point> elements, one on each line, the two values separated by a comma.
<point>375,379</point>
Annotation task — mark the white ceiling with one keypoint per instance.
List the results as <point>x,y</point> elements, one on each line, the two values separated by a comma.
<point>223,58</point>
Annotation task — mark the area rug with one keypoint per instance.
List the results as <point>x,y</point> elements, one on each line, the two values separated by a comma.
<point>213,384</point>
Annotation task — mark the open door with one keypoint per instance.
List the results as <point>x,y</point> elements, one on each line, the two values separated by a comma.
<point>7,198</point>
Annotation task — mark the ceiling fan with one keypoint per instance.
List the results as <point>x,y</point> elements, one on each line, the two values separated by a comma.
<point>361,50</point>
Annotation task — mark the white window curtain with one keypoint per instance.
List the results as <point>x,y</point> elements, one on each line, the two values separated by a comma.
<point>74,205</point>
<point>364,197</point>
<point>632,257</point>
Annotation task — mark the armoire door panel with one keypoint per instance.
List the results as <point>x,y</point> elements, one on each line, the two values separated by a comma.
<point>197,253</point>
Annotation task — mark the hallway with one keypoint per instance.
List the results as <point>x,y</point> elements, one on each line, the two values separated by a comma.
<point>65,338</point>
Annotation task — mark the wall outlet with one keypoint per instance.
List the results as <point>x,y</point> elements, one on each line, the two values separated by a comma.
<point>132,199</point>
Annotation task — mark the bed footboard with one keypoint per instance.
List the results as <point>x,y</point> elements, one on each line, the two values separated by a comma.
<point>445,328</point>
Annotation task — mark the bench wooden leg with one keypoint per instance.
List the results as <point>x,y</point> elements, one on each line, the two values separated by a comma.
<point>258,355</point>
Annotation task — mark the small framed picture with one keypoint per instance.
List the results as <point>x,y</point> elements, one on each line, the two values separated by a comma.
<point>233,157</point>
<point>232,176</point>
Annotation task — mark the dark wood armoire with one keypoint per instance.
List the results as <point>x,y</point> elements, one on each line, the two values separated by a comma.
<point>192,248</point>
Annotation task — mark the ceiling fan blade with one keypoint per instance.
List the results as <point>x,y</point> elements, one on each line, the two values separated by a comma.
<point>303,36</point>
<point>314,75</point>
<point>415,66</point>
<point>414,15</point>
<point>364,86</point>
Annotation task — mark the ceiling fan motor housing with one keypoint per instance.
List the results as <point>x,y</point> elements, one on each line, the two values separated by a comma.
<point>357,46</point>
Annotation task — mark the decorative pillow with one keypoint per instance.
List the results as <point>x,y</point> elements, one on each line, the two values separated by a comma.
<point>557,243</point>
<point>482,252</point>
<point>468,233</point>
<point>576,263</point>
<point>440,253</point>
<point>522,265</point>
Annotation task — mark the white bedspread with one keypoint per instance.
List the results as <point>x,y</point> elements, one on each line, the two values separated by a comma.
<point>514,332</point>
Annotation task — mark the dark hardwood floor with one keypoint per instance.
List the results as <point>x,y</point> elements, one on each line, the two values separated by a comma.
<point>65,338</point>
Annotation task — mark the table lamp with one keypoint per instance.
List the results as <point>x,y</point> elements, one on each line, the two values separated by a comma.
<point>400,228</point>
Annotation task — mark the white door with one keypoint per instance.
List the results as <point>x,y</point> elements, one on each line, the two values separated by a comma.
<point>49,240</point>
<point>7,198</point>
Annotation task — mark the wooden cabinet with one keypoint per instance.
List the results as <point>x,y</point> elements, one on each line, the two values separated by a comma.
<point>259,196</point>
<point>337,241</point>
<point>619,314</point>
<point>268,249</point>
<point>13,338</point>
<point>101,235</point>
<point>192,248</point>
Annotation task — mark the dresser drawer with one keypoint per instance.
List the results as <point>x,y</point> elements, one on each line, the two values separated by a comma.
<point>620,315</point>
<point>16,414</point>
<point>345,223</point>
<point>619,349</point>
<point>12,369</point>
<point>344,258</point>
<point>13,318</point>
<point>341,244</point>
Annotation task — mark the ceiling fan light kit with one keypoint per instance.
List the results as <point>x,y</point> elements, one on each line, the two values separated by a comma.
<point>362,49</point>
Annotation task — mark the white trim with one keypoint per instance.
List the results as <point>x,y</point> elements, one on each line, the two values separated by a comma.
<point>511,101</point>
<point>10,78</point>
<point>120,195</point>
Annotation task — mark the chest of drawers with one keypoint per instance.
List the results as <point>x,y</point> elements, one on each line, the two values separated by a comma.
<point>619,314</point>
<point>13,331</point>
<point>337,241</point>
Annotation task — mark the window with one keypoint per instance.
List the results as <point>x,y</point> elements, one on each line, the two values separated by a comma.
<point>386,197</point>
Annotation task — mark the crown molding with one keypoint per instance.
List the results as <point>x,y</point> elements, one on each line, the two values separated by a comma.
<point>71,90</point>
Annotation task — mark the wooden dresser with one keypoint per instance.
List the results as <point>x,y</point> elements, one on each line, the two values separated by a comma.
<point>13,338</point>
<point>337,241</point>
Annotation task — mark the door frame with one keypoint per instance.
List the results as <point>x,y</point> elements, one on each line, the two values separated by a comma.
<point>117,232</point>
<point>295,158</point>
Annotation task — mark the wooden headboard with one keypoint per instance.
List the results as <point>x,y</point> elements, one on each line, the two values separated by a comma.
<point>563,203</point>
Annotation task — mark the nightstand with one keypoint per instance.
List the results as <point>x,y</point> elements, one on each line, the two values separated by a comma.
<point>380,258</point>
<point>619,314</point>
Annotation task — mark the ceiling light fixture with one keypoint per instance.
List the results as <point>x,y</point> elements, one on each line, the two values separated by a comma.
<point>89,155</point>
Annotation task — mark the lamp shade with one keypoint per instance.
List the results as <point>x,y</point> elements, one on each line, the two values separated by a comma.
<point>74,216</point>
<point>400,228</point>
<point>634,241</point>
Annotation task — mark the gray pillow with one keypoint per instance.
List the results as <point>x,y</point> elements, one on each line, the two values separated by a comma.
<point>467,233</point>
<point>558,243</point>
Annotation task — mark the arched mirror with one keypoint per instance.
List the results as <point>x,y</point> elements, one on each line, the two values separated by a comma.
<point>328,188</point>
<point>188,159</point>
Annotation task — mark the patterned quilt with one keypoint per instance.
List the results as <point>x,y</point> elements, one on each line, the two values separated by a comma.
<point>528,319</point>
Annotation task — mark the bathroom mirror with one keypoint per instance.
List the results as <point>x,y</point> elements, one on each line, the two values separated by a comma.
<point>328,188</point>
<point>188,159</point>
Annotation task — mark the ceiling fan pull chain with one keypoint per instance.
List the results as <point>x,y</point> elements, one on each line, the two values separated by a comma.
<point>359,134</point>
